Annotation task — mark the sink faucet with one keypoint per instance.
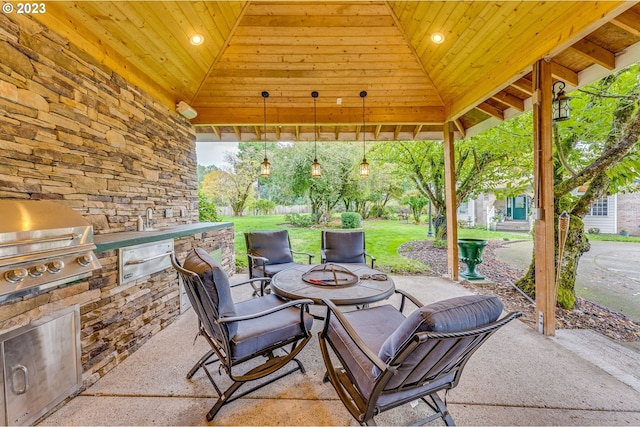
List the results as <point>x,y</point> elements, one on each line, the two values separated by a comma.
<point>149,215</point>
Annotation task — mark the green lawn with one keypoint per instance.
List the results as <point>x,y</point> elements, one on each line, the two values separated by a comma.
<point>383,239</point>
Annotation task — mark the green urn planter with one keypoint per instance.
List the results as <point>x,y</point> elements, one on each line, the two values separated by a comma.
<point>471,254</point>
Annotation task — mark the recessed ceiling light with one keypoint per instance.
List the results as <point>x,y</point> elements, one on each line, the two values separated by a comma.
<point>196,39</point>
<point>437,37</point>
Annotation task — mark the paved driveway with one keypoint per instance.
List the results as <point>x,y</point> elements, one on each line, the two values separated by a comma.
<point>608,275</point>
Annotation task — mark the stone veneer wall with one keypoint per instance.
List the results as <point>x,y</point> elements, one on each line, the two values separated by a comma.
<point>75,132</point>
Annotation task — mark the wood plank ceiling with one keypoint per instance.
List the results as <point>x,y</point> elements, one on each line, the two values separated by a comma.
<point>481,71</point>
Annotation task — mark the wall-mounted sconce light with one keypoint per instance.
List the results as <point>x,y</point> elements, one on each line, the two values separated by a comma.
<point>560,105</point>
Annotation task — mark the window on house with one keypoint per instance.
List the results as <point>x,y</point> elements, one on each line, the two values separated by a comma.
<point>600,207</point>
<point>464,207</point>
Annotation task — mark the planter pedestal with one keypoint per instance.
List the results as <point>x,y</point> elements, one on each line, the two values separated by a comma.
<point>471,254</point>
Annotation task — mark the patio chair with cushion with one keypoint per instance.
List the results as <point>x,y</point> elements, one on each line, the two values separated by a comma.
<point>344,247</point>
<point>387,360</point>
<point>269,252</point>
<point>255,330</point>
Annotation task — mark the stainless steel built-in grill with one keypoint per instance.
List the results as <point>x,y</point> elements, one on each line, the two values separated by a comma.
<point>42,244</point>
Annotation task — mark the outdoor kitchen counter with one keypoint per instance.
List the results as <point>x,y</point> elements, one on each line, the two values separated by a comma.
<point>107,242</point>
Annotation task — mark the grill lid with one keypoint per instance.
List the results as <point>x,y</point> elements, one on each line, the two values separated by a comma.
<point>39,226</point>
<point>42,244</point>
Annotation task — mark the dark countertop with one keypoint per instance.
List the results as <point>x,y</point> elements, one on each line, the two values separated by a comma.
<point>107,242</point>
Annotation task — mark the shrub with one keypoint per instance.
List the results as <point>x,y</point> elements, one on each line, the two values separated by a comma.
<point>207,211</point>
<point>262,206</point>
<point>300,220</point>
<point>350,219</point>
<point>442,244</point>
<point>593,230</point>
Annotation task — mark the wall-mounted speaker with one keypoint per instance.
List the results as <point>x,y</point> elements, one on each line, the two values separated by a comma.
<point>186,110</point>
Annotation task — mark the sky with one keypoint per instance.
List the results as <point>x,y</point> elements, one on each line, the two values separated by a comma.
<point>212,153</point>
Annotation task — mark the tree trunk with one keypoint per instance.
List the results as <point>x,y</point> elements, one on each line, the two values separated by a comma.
<point>575,246</point>
<point>440,225</point>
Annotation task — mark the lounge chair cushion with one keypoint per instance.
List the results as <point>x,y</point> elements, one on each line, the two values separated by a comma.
<point>215,281</point>
<point>273,245</point>
<point>454,314</point>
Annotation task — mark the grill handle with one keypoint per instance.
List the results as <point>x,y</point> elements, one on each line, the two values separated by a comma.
<point>143,260</point>
<point>40,240</point>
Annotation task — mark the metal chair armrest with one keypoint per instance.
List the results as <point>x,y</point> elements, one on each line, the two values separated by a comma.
<point>258,258</point>
<point>407,296</point>
<point>255,279</point>
<point>355,338</point>
<point>303,303</point>
<point>323,256</point>
<point>373,259</point>
<point>303,253</point>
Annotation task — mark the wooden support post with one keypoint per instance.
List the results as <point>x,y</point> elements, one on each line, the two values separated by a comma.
<point>544,238</point>
<point>450,201</point>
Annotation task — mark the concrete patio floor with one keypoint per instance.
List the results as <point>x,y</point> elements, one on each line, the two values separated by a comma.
<point>518,377</point>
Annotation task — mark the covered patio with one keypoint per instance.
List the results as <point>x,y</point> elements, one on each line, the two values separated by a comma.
<point>97,102</point>
<point>431,70</point>
<point>518,377</point>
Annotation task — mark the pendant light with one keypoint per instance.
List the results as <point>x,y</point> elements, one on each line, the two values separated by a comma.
<point>364,166</point>
<point>265,168</point>
<point>315,166</point>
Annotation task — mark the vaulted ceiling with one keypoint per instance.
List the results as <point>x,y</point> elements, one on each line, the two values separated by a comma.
<point>479,75</point>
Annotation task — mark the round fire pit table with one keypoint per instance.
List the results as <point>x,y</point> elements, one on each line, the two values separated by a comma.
<point>371,286</point>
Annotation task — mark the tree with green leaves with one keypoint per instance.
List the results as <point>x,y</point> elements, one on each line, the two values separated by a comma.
<point>499,158</point>
<point>416,202</point>
<point>597,150</point>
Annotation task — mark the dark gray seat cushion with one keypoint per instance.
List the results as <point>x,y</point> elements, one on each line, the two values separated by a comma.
<point>341,246</point>
<point>271,269</point>
<point>454,314</point>
<point>215,281</point>
<point>373,325</point>
<point>256,334</point>
<point>273,245</point>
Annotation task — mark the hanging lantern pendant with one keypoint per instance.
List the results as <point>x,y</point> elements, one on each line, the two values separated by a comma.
<point>265,166</point>
<point>364,166</point>
<point>315,166</point>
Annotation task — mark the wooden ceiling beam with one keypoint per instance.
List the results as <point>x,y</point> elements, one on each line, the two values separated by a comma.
<point>510,100</point>
<point>238,132</point>
<point>524,84</point>
<point>277,133</point>
<point>297,133</point>
<point>216,130</point>
<point>628,21</point>
<point>396,131</point>
<point>490,110</point>
<point>258,133</point>
<point>460,127</point>
<point>377,132</point>
<point>331,116</point>
<point>565,74</point>
<point>416,131</point>
<point>358,127</point>
<point>337,133</point>
<point>595,53</point>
